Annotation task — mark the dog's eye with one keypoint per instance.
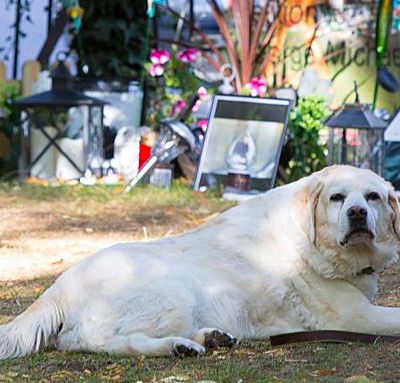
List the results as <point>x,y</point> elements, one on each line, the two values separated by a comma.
<point>373,196</point>
<point>337,197</point>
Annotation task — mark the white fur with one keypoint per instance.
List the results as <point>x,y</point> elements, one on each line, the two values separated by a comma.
<point>254,271</point>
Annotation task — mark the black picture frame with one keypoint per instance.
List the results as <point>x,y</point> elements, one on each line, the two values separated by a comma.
<point>261,120</point>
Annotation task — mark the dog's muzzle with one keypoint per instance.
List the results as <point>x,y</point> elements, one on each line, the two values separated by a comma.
<point>358,230</point>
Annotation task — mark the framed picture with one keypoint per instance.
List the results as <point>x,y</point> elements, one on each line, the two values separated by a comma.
<point>244,140</point>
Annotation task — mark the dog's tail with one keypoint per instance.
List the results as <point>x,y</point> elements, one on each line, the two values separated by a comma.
<point>31,331</point>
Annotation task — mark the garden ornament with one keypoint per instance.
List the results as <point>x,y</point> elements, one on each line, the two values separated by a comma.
<point>126,152</point>
<point>356,137</point>
<point>227,76</point>
<point>174,139</point>
<point>64,118</point>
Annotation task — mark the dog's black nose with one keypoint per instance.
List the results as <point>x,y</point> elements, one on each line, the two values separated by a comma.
<point>357,212</point>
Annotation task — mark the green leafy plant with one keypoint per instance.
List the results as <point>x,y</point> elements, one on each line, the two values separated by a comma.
<point>179,74</point>
<point>308,151</point>
<point>9,91</point>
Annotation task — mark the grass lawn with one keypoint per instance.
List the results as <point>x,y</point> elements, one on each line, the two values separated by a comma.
<point>45,230</point>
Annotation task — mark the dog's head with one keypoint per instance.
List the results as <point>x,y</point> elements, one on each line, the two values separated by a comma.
<point>350,211</point>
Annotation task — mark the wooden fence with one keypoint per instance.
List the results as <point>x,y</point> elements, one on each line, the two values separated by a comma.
<point>30,71</point>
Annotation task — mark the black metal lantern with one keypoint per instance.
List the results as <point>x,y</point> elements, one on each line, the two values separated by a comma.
<point>356,137</point>
<point>61,129</point>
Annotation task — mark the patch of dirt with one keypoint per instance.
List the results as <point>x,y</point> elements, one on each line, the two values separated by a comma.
<point>45,237</point>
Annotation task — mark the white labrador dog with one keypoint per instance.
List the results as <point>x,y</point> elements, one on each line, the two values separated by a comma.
<point>304,256</point>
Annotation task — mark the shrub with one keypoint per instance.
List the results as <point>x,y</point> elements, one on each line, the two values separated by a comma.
<point>307,149</point>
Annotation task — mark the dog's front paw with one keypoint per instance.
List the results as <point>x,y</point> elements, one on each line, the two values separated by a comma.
<point>217,338</point>
<point>188,349</point>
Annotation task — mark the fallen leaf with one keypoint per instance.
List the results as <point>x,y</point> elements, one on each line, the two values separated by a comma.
<point>323,372</point>
<point>141,362</point>
<point>62,375</point>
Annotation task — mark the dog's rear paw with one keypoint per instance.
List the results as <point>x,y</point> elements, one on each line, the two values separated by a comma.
<point>217,338</point>
<point>188,349</point>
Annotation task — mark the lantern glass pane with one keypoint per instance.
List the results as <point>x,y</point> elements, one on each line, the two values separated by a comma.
<point>357,148</point>
<point>362,148</point>
<point>72,143</point>
<point>56,142</point>
<point>95,154</point>
<point>336,153</point>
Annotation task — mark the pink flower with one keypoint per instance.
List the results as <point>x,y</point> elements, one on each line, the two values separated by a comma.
<point>188,55</point>
<point>156,70</point>
<point>159,56</point>
<point>202,93</point>
<point>257,86</point>
<point>202,124</point>
<point>178,107</point>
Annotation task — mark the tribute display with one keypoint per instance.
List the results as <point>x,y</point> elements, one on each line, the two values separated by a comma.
<point>243,143</point>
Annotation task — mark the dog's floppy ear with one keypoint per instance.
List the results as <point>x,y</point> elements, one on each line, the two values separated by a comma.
<point>304,205</point>
<point>394,205</point>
